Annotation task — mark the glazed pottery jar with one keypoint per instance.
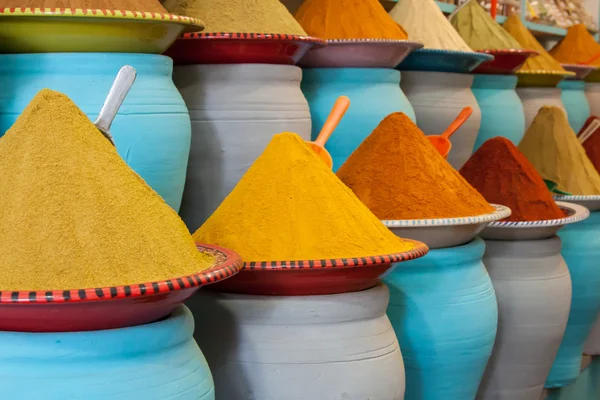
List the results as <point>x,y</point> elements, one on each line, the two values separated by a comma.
<point>585,387</point>
<point>438,98</point>
<point>339,346</point>
<point>592,93</point>
<point>534,98</point>
<point>235,111</point>
<point>581,250</point>
<point>443,310</point>
<point>374,93</point>
<point>151,130</point>
<point>533,289</point>
<point>502,112</point>
<point>575,102</point>
<point>592,343</point>
<point>155,361</point>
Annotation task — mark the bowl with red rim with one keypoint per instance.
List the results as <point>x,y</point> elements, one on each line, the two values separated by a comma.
<point>241,48</point>
<point>315,277</point>
<point>359,53</point>
<point>110,307</point>
<point>505,61</point>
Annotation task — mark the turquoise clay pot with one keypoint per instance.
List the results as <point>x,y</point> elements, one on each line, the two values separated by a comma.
<point>575,102</point>
<point>581,251</point>
<point>156,361</point>
<point>152,129</point>
<point>374,93</point>
<point>444,312</point>
<point>502,112</point>
<point>586,387</point>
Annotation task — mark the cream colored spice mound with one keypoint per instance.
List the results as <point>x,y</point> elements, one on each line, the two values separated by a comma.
<point>426,23</point>
<point>246,16</point>
<point>73,215</point>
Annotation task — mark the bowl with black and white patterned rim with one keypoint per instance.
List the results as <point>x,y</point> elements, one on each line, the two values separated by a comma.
<point>592,203</point>
<point>535,230</point>
<point>359,53</point>
<point>445,232</point>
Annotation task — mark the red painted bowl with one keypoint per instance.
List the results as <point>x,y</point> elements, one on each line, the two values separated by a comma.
<point>505,61</point>
<point>109,307</point>
<point>315,277</point>
<point>241,48</point>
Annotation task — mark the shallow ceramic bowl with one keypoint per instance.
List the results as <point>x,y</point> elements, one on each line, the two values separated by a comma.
<point>359,53</point>
<point>241,48</point>
<point>592,203</point>
<point>581,71</point>
<point>445,232</point>
<point>315,277</point>
<point>505,62</point>
<point>541,78</point>
<point>109,307</point>
<point>594,76</point>
<point>58,30</point>
<point>533,230</point>
<point>443,61</point>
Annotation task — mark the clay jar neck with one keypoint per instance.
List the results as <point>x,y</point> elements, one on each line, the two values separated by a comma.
<point>350,76</point>
<point>497,82</point>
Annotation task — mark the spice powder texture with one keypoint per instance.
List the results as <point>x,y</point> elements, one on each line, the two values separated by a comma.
<point>399,174</point>
<point>504,176</point>
<point>73,215</point>
<point>578,46</point>
<point>290,206</point>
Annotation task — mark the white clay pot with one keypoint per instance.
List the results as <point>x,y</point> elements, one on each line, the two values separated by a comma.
<point>326,347</point>
<point>438,98</point>
<point>235,111</point>
<point>592,343</point>
<point>534,98</point>
<point>592,92</point>
<point>533,290</point>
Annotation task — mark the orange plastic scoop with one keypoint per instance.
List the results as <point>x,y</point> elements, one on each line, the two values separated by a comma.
<point>441,142</point>
<point>337,112</point>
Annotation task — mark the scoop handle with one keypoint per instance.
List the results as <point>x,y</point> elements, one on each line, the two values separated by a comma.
<point>337,112</point>
<point>457,123</point>
<point>116,95</point>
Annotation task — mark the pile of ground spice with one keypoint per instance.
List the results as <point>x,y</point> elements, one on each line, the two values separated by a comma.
<point>577,47</point>
<point>425,22</point>
<point>348,19</point>
<point>74,215</point>
<point>543,61</point>
<point>554,150</point>
<point>246,16</point>
<point>503,175</point>
<point>479,30</point>
<point>399,174</point>
<point>290,206</point>
<point>152,6</point>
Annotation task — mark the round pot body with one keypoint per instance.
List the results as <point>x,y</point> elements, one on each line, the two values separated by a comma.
<point>592,343</point>
<point>575,102</point>
<point>592,93</point>
<point>443,309</point>
<point>438,98</point>
<point>235,111</point>
<point>502,112</point>
<point>152,129</point>
<point>374,93</point>
<point>533,289</point>
<point>158,361</point>
<point>534,98</point>
<point>585,387</point>
<point>581,251</point>
<point>338,346</point>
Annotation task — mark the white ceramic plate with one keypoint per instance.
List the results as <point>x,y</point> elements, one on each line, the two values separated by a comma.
<point>359,53</point>
<point>592,203</point>
<point>532,230</point>
<point>445,232</point>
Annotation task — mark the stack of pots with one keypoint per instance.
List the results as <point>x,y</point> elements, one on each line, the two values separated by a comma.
<point>574,100</point>
<point>535,97</point>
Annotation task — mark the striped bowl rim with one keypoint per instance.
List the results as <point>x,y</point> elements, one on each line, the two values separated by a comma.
<point>501,212</point>
<point>577,213</point>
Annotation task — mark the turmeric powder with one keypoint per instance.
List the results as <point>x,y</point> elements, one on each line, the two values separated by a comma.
<point>290,206</point>
<point>348,19</point>
<point>577,47</point>
<point>399,174</point>
<point>73,215</point>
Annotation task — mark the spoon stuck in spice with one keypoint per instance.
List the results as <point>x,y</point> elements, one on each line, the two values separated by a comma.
<point>115,98</point>
<point>337,112</point>
<point>442,142</point>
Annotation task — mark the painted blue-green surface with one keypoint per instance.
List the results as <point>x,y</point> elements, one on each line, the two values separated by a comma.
<point>374,93</point>
<point>444,312</point>
<point>502,112</point>
<point>575,102</point>
<point>156,361</point>
<point>586,387</point>
<point>581,251</point>
<point>152,130</point>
